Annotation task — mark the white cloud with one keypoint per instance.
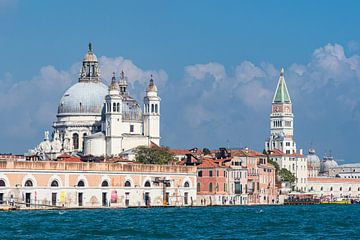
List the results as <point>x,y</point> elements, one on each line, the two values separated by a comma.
<point>201,71</point>
<point>247,71</point>
<point>132,72</point>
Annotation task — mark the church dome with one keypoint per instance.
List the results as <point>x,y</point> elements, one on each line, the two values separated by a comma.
<point>313,159</point>
<point>327,164</point>
<point>83,98</point>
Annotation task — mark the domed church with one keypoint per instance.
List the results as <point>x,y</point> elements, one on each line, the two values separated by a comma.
<point>99,120</point>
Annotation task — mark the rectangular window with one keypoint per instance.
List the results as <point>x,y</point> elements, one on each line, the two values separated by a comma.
<point>127,199</point>
<point>186,197</point>
<point>287,151</point>
<point>80,199</point>
<point>210,173</point>
<point>131,128</point>
<point>237,188</point>
<point>288,144</point>
<point>53,199</point>
<point>217,173</point>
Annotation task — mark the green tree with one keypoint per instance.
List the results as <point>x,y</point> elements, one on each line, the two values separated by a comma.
<point>153,155</point>
<point>206,151</point>
<point>286,175</point>
<point>272,162</point>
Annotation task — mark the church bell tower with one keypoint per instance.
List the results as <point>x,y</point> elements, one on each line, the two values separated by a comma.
<point>152,113</point>
<point>113,119</point>
<point>281,120</point>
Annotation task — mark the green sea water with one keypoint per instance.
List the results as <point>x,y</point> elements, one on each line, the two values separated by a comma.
<point>243,222</point>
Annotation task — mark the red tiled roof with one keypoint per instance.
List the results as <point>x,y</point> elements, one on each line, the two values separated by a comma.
<point>208,163</point>
<point>68,158</point>
<point>246,153</point>
<point>277,152</point>
<point>333,180</point>
<point>184,151</point>
<point>179,151</point>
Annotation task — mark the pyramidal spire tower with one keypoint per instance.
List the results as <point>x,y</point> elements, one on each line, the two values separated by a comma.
<point>281,120</point>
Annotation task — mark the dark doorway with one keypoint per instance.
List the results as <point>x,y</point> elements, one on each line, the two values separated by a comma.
<point>27,199</point>
<point>127,200</point>
<point>53,199</point>
<point>147,199</point>
<point>80,199</point>
<point>104,199</point>
<point>167,198</point>
<point>186,198</point>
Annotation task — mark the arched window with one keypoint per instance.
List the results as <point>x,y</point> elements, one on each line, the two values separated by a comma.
<point>118,107</point>
<point>198,187</point>
<point>127,183</point>
<point>340,188</point>
<point>29,183</point>
<point>156,108</point>
<point>114,107</point>
<point>321,188</point>
<point>105,184</point>
<point>186,184</point>
<point>349,188</point>
<point>331,188</point>
<point>200,173</point>
<point>76,141</point>
<point>210,187</point>
<point>2,183</point>
<point>147,184</point>
<point>54,183</point>
<point>152,108</point>
<point>81,183</point>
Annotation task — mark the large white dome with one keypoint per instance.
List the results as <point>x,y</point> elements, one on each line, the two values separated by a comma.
<point>83,98</point>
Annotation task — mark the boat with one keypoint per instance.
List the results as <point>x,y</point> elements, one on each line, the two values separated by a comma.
<point>336,201</point>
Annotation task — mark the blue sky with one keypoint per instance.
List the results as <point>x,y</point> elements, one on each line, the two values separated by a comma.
<point>216,64</point>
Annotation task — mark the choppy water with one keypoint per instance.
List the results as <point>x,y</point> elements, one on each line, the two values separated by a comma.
<point>269,222</point>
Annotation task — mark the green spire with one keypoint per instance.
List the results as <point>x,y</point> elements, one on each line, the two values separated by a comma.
<point>281,94</point>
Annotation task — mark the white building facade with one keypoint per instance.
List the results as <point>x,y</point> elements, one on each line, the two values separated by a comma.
<point>97,120</point>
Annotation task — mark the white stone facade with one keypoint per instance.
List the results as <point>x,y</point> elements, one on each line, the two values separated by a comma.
<point>97,120</point>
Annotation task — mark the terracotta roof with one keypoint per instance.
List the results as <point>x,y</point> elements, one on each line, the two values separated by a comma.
<point>68,158</point>
<point>208,163</point>
<point>179,151</point>
<point>277,152</point>
<point>246,153</point>
<point>333,180</point>
<point>152,144</point>
<point>185,151</point>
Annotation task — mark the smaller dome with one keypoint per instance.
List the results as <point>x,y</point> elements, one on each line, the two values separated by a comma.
<point>152,87</point>
<point>327,164</point>
<point>313,159</point>
<point>90,57</point>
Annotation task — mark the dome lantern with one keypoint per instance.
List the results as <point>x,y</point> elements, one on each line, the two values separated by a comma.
<point>90,71</point>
